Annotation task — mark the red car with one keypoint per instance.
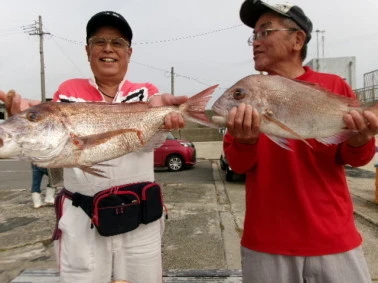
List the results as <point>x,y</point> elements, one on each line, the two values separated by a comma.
<point>175,154</point>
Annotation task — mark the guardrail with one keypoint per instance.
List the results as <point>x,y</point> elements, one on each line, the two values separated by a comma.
<point>367,94</point>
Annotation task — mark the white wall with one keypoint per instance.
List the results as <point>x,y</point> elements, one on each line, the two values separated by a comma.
<point>345,67</point>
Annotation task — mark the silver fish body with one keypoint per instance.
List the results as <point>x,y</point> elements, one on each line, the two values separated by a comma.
<point>83,134</point>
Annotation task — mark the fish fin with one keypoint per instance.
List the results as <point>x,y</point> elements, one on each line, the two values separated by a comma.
<point>350,101</point>
<point>194,108</point>
<point>156,141</point>
<point>282,142</point>
<point>284,127</point>
<point>337,138</point>
<point>94,171</point>
<point>82,142</point>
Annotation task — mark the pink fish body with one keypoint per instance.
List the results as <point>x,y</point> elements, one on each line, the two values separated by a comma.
<point>83,134</point>
<point>290,109</point>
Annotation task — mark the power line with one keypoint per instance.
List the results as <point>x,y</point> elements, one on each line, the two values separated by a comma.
<point>53,37</point>
<point>68,57</point>
<point>10,31</point>
<point>151,67</point>
<point>168,73</point>
<point>81,43</point>
<point>187,37</point>
<point>36,29</point>
<point>162,40</point>
<point>165,71</point>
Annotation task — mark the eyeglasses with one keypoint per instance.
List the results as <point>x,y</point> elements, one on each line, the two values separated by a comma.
<point>263,34</point>
<point>116,43</point>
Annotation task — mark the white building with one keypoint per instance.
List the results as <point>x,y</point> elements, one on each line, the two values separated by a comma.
<point>344,67</point>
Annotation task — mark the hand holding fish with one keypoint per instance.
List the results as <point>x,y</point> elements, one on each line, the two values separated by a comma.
<point>172,120</point>
<point>88,133</point>
<point>365,123</point>
<point>244,124</point>
<point>290,109</point>
<point>14,103</point>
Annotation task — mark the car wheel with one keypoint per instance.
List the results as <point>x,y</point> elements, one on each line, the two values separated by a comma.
<point>222,163</point>
<point>175,163</point>
<point>229,175</point>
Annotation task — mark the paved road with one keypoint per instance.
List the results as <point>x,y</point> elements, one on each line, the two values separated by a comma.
<point>203,230</point>
<point>196,235</point>
<point>14,174</point>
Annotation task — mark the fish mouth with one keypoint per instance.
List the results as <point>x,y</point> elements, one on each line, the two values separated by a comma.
<point>219,120</point>
<point>3,135</point>
<point>8,148</point>
<point>217,109</point>
<point>220,116</point>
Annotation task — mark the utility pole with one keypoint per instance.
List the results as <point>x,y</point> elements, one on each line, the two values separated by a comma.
<point>173,92</point>
<point>317,42</point>
<point>323,31</point>
<point>317,47</point>
<point>172,80</point>
<point>37,29</point>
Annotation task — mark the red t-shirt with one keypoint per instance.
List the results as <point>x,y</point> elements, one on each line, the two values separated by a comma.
<point>298,202</point>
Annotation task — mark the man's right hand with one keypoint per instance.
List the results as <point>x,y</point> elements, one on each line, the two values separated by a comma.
<point>244,124</point>
<point>14,103</point>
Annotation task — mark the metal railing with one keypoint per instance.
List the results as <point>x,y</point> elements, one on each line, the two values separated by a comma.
<point>369,93</point>
<point>366,95</point>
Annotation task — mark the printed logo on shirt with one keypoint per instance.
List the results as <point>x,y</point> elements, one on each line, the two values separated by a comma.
<point>136,95</point>
<point>65,98</point>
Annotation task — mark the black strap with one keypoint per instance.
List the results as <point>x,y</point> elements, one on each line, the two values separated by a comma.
<point>85,202</point>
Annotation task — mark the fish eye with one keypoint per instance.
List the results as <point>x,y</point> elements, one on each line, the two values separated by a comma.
<point>238,94</point>
<point>32,116</point>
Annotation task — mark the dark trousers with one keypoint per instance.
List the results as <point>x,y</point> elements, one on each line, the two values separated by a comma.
<point>37,173</point>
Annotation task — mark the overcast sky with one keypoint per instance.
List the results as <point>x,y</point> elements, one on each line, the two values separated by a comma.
<point>204,40</point>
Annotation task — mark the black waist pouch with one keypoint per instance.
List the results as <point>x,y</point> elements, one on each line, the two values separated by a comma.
<point>121,209</point>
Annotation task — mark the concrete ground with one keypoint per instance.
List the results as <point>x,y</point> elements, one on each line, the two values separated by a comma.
<point>202,233</point>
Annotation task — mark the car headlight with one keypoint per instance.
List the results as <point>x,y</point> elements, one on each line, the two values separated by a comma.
<point>187,144</point>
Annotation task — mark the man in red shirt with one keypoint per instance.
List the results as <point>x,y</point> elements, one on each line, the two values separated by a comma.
<point>299,224</point>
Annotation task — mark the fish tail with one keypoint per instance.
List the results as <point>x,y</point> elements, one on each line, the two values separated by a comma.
<point>194,108</point>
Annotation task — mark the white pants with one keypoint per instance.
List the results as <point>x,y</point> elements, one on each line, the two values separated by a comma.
<point>84,256</point>
<point>347,267</point>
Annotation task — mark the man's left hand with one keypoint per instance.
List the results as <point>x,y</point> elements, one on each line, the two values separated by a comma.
<point>173,120</point>
<point>366,124</point>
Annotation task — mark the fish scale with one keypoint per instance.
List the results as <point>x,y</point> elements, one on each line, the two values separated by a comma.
<point>84,134</point>
<point>290,109</point>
